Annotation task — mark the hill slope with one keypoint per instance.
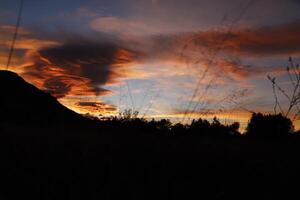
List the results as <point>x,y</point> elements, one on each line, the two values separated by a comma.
<point>21,101</point>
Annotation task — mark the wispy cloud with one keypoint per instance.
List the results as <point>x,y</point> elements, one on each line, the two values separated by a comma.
<point>26,39</point>
<point>96,107</point>
<point>117,25</point>
<point>267,41</point>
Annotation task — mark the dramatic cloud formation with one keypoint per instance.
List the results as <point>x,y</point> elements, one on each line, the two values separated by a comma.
<point>69,66</point>
<point>77,68</point>
<point>82,66</point>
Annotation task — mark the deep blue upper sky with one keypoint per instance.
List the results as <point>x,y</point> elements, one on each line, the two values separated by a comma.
<point>188,14</point>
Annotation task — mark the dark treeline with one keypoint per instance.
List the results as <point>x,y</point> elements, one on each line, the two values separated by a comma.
<point>50,152</point>
<point>259,126</point>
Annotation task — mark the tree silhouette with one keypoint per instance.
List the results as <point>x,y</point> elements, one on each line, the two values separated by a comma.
<point>215,129</point>
<point>269,126</point>
<point>128,114</point>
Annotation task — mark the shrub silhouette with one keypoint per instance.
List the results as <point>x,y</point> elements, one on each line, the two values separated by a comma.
<point>269,126</point>
<point>214,129</point>
<point>179,129</point>
<point>128,114</point>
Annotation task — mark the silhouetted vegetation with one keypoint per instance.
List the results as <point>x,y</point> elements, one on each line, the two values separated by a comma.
<point>269,126</point>
<point>129,123</point>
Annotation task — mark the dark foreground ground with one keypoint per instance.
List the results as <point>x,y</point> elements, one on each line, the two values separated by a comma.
<point>35,167</point>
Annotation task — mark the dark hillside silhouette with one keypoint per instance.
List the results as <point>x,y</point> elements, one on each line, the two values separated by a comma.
<point>22,102</point>
<point>25,108</point>
<point>50,152</point>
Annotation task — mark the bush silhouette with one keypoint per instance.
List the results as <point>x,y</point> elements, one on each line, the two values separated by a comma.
<point>269,126</point>
<point>214,129</point>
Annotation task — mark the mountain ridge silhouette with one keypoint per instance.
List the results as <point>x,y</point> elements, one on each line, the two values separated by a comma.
<point>23,101</point>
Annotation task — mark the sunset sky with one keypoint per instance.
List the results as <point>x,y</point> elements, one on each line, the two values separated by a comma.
<point>177,59</point>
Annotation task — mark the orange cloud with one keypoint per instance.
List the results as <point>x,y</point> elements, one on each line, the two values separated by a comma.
<point>69,67</point>
<point>90,105</point>
<point>280,40</point>
<point>25,41</point>
<point>236,70</point>
<point>78,68</point>
<point>96,107</point>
